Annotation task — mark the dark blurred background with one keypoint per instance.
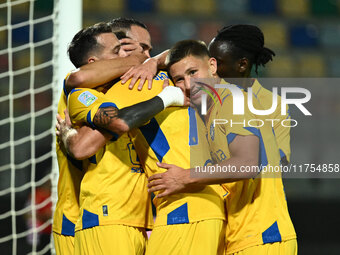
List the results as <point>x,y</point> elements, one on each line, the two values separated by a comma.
<point>305,35</point>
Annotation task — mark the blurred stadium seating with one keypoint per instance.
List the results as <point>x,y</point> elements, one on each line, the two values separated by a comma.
<point>291,27</point>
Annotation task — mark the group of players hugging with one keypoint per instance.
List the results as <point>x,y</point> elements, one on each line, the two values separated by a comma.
<point>130,126</point>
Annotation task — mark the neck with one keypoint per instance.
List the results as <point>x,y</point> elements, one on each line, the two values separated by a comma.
<point>247,83</point>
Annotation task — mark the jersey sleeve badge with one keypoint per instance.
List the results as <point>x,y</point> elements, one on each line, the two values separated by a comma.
<point>87,98</point>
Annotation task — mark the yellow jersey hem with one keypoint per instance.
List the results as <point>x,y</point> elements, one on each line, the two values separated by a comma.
<point>129,224</point>
<point>255,243</point>
<point>162,220</point>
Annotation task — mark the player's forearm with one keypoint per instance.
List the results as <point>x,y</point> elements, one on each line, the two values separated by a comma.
<point>160,58</point>
<point>136,115</point>
<point>125,119</point>
<point>100,72</point>
<point>122,121</point>
<point>85,143</point>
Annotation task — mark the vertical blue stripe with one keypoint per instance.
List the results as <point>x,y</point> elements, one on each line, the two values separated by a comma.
<point>64,88</point>
<point>263,155</point>
<point>288,111</point>
<point>193,132</point>
<point>67,227</point>
<point>88,119</point>
<point>282,154</point>
<point>155,138</point>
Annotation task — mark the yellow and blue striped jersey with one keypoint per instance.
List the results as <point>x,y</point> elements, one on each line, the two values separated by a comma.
<point>114,187</point>
<point>168,138</point>
<point>70,175</point>
<point>282,133</point>
<point>256,208</point>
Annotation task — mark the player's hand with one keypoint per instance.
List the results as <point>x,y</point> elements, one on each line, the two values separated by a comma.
<point>62,125</point>
<point>67,119</point>
<point>173,181</point>
<point>166,83</point>
<point>130,46</point>
<point>60,121</point>
<point>186,100</point>
<point>186,94</point>
<point>145,71</point>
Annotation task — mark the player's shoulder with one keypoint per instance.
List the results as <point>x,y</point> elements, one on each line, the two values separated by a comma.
<point>261,92</point>
<point>84,96</point>
<point>231,92</point>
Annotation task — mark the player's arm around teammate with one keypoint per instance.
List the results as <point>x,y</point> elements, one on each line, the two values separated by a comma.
<point>136,42</point>
<point>110,120</point>
<point>103,69</point>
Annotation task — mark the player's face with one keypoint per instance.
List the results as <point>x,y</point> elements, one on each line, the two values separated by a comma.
<point>188,73</point>
<point>142,36</point>
<point>110,46</point>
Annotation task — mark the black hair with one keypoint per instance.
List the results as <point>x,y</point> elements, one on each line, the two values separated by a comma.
<point>85,42</point>
<point>120,35</point>
<point>186,48</point>
<point>125,24</point>
<point>246,41</point>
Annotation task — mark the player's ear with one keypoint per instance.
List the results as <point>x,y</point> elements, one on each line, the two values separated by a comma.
<point>213,66</point>
<point>242,65</point>
<point>92,59</point>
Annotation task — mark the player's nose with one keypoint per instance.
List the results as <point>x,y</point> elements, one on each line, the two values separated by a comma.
<point>187,82</point>
<point>122,53</point>
<point>147,53</point>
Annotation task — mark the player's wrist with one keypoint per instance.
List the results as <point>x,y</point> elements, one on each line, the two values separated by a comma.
<point>139,57</point>
<point>67,134</point>
<point>188,181</point>
<point>172,96</point>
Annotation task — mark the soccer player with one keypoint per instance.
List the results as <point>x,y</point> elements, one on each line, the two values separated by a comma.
<point>100,40</point>
<point>101,72</point>
<point>136,32</point>
<point>237,48</point>
<point>257,214</point>
<point>187,223</point>
<point>191,223</point>
<point>114,202</point>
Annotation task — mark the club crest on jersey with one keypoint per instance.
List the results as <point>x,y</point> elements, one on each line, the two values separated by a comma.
<point>161,76</point>
<point>212,131</point>
<point>86,98</point>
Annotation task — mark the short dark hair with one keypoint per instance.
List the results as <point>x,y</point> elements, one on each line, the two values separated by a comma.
<point>124,24</point>
<point>246,41</point>
<point>120,34</point>
<point>184,49</point>
<point>85,41</point>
